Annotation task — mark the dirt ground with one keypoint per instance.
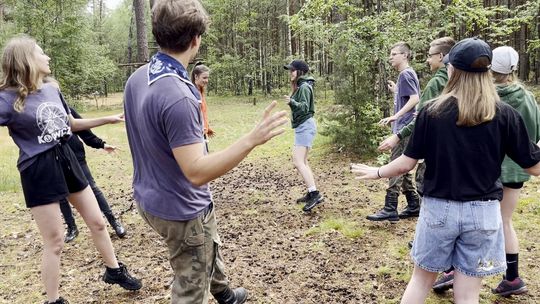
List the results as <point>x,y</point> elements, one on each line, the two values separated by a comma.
<point>272,248</point>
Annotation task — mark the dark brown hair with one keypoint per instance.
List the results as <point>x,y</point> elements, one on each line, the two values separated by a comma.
<point>176,22</point>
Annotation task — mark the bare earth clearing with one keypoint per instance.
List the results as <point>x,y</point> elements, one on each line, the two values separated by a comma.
<point>272,248</point>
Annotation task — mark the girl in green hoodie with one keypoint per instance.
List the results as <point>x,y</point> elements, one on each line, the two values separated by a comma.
<point>302,105</point>
<point>505,61</point>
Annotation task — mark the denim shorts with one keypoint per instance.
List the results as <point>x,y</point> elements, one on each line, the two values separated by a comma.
<point>466,235</point>
<point>304,134</point>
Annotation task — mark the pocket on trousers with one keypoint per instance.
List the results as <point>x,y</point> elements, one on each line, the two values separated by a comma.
<point>487,216</point>
<point>435,213</point>
<point>195,240</point>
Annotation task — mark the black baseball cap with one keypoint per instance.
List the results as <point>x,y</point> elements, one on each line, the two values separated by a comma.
<point>297,65</point>
<point>465,54</point>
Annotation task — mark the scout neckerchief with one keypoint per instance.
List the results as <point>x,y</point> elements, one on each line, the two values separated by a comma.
<point>162,65</point>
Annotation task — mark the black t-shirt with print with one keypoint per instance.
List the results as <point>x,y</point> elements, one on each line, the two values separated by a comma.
<point>464,163</point>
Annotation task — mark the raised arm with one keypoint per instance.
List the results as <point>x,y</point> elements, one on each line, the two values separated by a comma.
<point>200,169</point>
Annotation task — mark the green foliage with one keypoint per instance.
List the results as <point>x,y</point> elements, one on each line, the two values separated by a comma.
<point>67,33</point>
<point>359,36</point>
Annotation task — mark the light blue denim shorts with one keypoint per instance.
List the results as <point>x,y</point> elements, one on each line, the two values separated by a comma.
<point>304,134</point>
<point>466,235</point>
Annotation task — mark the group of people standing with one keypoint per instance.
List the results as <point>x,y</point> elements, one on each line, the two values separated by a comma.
<point>474,139</point>
<point>470,137</point>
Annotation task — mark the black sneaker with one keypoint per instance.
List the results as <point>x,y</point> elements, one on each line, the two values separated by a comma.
<point>303,199</point>
<point>59,301</point>
<point>444,282</point>
<point>121,277</point>
<point>507,288</point>
<point>315,198</point>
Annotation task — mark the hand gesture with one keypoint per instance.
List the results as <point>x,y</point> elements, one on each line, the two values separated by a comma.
<point>267,128</point>
<point>114,119</point>
<point>109,148</point>
<point>287,99</point>
<point>210,133</point>
<point>389,143</point>
<point>391,86</point>
<point>364,171</point>
<point>387,120</point>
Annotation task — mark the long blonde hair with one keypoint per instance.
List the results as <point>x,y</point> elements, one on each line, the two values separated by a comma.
<point>475,94</point>
<point>19,69</point>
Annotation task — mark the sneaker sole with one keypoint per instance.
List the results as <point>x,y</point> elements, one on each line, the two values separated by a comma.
<point>390,219</point>
<point>440,288</point>
<point>315,205</point>
<point>516,292</point>
<point>406,216</point>
<point>125,287</point>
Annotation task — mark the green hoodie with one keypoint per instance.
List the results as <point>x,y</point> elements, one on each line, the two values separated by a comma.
<point>302,103</point>
<point>523,101</point>
<point>433,89</point>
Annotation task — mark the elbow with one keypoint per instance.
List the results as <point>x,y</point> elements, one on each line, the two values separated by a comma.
<point>196,180</point>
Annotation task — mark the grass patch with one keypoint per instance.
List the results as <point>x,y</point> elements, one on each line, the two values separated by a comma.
<point>344,226</point>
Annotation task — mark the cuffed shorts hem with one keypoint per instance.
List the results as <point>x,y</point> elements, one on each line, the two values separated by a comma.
<point>481,274</point>
<point>428,268</point>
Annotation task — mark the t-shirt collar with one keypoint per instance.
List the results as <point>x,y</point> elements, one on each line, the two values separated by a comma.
<point>162,65</point>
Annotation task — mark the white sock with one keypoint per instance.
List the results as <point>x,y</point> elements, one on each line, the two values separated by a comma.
<point>311,189</point>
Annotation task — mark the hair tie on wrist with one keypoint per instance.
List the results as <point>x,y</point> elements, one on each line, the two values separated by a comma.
<point>379,172</point>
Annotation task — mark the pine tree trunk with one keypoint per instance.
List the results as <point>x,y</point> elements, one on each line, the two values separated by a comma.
<point>142,42</point>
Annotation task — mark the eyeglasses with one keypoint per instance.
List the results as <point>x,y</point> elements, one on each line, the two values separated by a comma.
<point>433,54</point>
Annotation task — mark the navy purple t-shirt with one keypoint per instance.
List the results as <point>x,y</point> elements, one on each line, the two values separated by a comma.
<point>160,117</point>
<point>406,86</point>
<point>40,126</point>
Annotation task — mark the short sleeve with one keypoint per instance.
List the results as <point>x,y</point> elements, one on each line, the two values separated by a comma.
<point>64,103</point>
<point>182,123</point>
<point>408,84</point>
<point>518,146</point>
<point>5,112</point>
<point>417,143</point>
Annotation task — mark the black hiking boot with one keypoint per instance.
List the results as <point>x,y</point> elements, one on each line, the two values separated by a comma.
<point>413,206</point>
<point>303,199</point>
<point>116,225</point>
<point>59,301</point>
<point>389,212</point>
<point>229,296</point>
<point>71,233</point>
<point>121,277</point>
<point>315,198</point>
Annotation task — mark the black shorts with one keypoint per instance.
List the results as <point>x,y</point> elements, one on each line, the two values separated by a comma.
<point>513,185</point>
<point>52,176</point>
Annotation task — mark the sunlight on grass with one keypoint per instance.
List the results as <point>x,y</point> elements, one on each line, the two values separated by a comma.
<point>346,227</point>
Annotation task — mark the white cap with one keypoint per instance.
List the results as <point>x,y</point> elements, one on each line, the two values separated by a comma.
<point>505,60</point>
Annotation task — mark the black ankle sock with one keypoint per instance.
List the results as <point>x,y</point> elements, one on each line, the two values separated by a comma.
<point>512,264</point>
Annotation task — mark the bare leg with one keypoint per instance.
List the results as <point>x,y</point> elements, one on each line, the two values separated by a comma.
<point>300,162</point>
<point>50,227</point>
<point>419,286</point>
<point>508,205</point>
<point>466,289</point>
<point>85,202</point>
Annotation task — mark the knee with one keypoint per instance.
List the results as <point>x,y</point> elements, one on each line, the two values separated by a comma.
<point>298,163</point>
<point>97,224</point>
<point>55,244</point>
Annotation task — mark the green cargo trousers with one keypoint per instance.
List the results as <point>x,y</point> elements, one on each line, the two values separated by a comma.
<point>194,256</point>
<point>401,182</point>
